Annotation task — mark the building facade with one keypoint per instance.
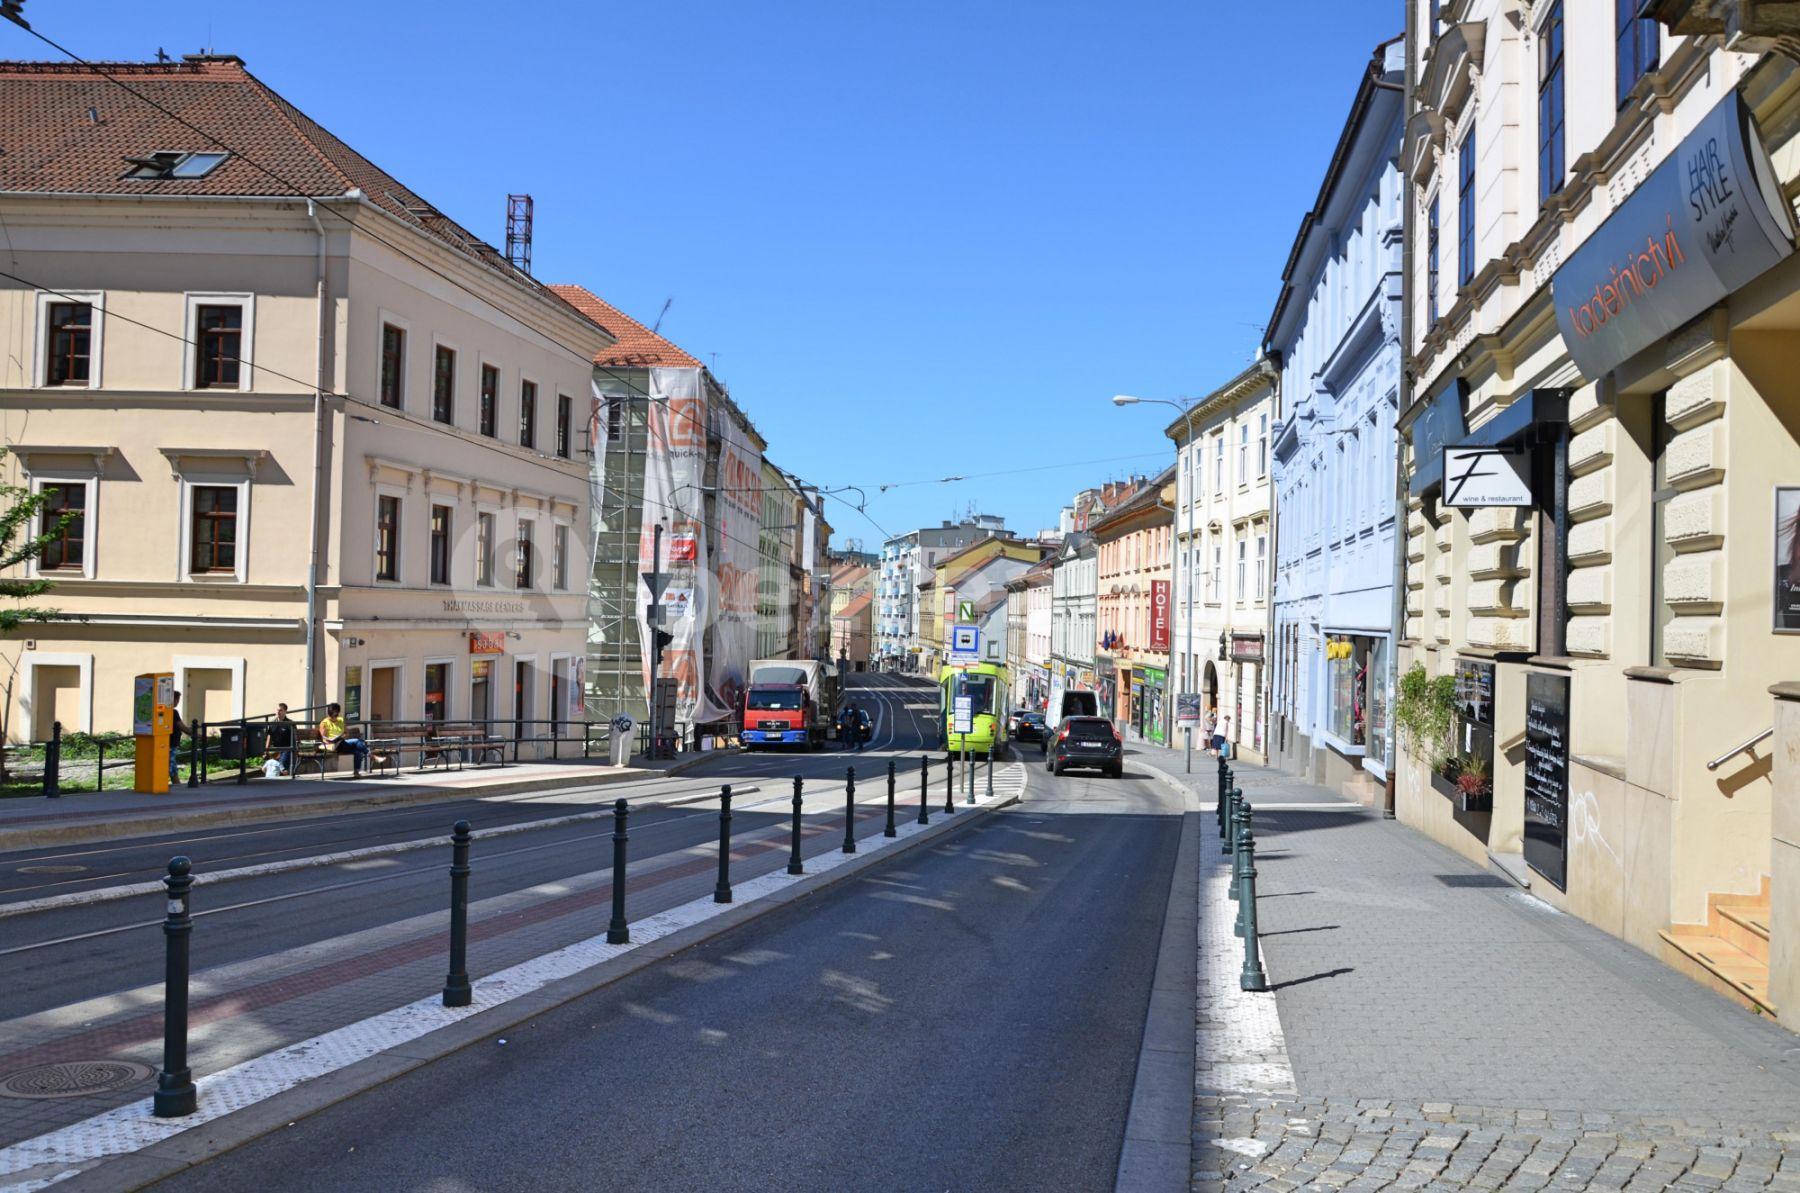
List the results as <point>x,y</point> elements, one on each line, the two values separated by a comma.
<point>1600,459</point>
<point>315,445</point>
<point>1074,616</point>
<point>1134,608</point>
<point>1223,538</point>
<point>907,561</point>
<point>1335,333</point>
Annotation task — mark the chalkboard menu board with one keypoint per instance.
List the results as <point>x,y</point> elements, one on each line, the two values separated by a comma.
<point>1547,776</point>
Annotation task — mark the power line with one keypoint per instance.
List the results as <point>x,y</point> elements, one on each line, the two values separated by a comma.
<point>945,480</point>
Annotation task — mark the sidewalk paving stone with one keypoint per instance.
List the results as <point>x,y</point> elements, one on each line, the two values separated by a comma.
<point>1458,1034</point>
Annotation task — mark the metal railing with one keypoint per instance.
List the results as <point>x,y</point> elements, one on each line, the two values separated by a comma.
<point>1722,759</point>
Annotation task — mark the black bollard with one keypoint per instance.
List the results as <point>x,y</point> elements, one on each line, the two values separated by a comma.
<point>890,830</point>
<point>1253,977</point>
<point>53,762</point>
<point>243,751</point>
<point>1237,805</point>
<point>722,892</point>
<point>100,766</point>
<point>457,991</point>
<point>850,810</point>
<point>618,931</point>
<point>175,1093</point>
<point>950,783</point>
<point>795,864</point>
<point>1224,786</point>
<point>990,771</point>
<point>1238,864</point>
<point>924,791</point>
<point>1228,839</point>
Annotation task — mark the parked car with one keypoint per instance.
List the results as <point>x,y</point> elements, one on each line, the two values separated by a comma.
<point>1026,725</point>
<point>1089,742</point>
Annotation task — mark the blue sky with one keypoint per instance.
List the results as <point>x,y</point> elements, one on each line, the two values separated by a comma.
<point>922,240</point>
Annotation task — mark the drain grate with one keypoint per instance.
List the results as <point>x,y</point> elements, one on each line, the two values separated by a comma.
<point>1480,880</point>
<point>74,1079</point>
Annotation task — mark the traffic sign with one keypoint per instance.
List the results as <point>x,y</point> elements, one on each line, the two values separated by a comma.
<point>965,642</point>
<point>965,610</point>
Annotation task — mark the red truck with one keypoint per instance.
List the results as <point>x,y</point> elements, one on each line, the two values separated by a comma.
<point>789,702</point>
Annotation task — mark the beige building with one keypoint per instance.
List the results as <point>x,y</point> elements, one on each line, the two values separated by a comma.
<point>325,444</point>
<point>1601,547</point>
<point>1224,540</point>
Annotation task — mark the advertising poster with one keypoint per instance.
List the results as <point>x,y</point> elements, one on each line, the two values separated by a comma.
<point>674,500</point>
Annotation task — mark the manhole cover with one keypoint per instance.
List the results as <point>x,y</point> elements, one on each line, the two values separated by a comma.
<point>74,1079</point>
<point>52,869</point>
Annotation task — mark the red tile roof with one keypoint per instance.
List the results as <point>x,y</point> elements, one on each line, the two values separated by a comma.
<point>638,347</point>
<point>856,606</point>
<point>67,128</point>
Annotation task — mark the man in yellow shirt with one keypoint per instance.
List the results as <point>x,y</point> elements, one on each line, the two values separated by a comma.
<point>332,736</point>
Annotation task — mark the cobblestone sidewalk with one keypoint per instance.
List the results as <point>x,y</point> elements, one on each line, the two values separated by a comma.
<point>1446,1031</point>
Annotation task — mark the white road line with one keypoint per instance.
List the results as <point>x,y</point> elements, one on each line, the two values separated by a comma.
<point>286,865</point>
<point>63,1153</point>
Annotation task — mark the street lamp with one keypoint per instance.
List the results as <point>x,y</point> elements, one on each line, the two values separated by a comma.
<point>1182,679</point>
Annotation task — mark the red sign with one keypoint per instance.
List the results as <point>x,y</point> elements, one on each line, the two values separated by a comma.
<point>1159,615</point>
<point>487,642</point>
<point>684,545</point>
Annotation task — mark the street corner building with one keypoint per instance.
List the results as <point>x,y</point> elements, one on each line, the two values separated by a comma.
<point>317,441</point>
<point>1223,536</point>
<point>1335,337</point>
<point>1602,570</point>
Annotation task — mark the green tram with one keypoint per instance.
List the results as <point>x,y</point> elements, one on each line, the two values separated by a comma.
<point>985,685</point>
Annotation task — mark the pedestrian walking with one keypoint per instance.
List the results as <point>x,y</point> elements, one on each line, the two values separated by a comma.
<point>177,727</point>
<point>1210,731</point>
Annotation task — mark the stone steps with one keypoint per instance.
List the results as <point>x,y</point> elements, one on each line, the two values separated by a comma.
<point>1730,951</point>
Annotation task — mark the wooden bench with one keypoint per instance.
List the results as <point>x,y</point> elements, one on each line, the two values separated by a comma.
<point>310,751</point>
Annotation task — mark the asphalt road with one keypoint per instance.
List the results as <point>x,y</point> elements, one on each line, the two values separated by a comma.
<point>964,1016</point>
<point>65,955</point>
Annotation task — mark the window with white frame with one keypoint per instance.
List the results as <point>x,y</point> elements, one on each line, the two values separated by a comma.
<point>1262,445</point>
<point>66,516</point>
<point>388,510</point>
<point>69,342</point>
<point>1262,567</point>
<point>441,520</point>
<point>484,549</point>
<point>1243,461</point>
<point>1242,548</point>
<point>1215,583</point>
<point>1219,463</point>
<point>559,557</point>
<point>213,524</point>
<point>524,562</point>
<point>221,337</point>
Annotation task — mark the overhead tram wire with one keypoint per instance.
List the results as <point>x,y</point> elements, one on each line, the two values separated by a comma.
<point>973,476</point>
<point>299,192</point>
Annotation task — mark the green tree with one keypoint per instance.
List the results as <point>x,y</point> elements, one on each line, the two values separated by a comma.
<point>20,512</point>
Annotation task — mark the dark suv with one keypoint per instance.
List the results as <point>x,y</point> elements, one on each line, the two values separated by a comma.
<point>1086,741</point>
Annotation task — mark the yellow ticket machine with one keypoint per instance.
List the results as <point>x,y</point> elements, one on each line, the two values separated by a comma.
<point>152,720</point>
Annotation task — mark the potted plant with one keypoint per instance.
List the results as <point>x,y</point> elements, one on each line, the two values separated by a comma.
<point>1474,786</point>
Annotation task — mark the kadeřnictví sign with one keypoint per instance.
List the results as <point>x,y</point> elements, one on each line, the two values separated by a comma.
<point>1707,220</point>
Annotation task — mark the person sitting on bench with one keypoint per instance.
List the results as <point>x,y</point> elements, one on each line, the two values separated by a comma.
<point>332,737</point>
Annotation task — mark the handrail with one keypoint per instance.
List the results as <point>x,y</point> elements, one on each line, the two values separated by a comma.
<point>1765,735</point>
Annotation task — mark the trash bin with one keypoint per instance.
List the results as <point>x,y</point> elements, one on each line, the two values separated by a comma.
<point>619,744</point>
<point>232,740</point>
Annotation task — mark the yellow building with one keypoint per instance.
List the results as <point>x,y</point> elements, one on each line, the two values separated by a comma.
<point>325,447</point>
<point>1601,465</point>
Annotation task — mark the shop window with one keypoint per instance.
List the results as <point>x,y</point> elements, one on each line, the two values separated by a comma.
<point>1376,697</point>
<point>437,685</point>
<point>1347,671</point>
<point>1471,764</point>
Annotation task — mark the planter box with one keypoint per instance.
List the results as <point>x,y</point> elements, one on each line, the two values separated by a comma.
<point>1464,803</point>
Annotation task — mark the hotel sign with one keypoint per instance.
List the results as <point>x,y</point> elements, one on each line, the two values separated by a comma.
<point>1706,221</point>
